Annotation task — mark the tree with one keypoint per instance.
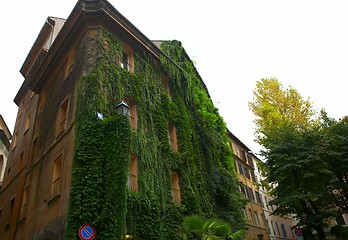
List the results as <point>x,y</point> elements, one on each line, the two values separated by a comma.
<point>275,106</point>
<point>301,151</point>
<point>302,180</point>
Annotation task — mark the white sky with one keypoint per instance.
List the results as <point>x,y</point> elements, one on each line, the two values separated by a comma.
<point>303,43</point>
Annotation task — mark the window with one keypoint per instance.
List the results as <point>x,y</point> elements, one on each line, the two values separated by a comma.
<point>12,204</point>
<point>133,174</point>
<point>25,199</point>
<point>284,231</point>
<point>247,173</point>
<point>236,151</point>
<point>127,61</point>
<point>176,187</point>
<point>14,140</point>
<point>274,232</point>
<point>8,175</point>
<point>253,176</point>
<point>20,162</point>
<point>251,194</point>
<point>242,189</point>
<point>251,220</point>
<point>133,113</point>
<point>1,166</point>
<point>34,151</point>
<point>41,103</point>
<point>277,229</point>
<point>62,116</point>
<point>258,198</point>
<point>70,62</point>
<point>257,221</point>
<point>242,155</point>
<point>56,177</point>
<point>165,82</point>
<point>172,136</point>
<point>27,123</point>
<point>263,222</point>
<point>240,169</point>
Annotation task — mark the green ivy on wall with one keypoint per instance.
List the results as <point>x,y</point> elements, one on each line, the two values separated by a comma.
<point>103,148</point>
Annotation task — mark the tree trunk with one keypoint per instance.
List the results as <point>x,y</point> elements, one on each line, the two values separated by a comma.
<point>321,234</point>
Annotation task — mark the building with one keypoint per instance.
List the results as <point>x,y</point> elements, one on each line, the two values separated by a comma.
<point>249,187</point>
<point>5,137</point>
<point>113,130</point>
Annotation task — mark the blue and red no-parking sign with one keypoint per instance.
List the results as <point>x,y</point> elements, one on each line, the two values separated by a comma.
<point>86,232</point>
<point>298,232</point>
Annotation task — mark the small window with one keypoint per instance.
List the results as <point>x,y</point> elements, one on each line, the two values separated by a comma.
<point>133,174</point>
<point>247,173</point>
<point>133,111</point>
<point>14,140</point>
<point>2,165</point>
<point>20,162</point>
<point>56,177</point>
<point>70,63</point>
<point>8,174</point>
<point>24,205</point>
<point>27,123</point>
<point>251,194</point>
<point>176,187</point>
<point>165,82</point>
<point>12,204</point>
<point>172,136</point>
<point>127,61</point>
<point>41,103</point>
<point>242,189</point>
<point>34,151</point>
<point>240,169</point>
<point>284,231</point>
<point>251,220</point>
<point>258,198</point>
<point>257,221</point>
<point>277,228</point>
<point>62,116</point>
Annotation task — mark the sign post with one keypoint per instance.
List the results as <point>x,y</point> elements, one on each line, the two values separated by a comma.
<point>86,232</point>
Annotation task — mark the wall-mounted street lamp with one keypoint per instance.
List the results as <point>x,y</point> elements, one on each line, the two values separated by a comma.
<point>123,108</point>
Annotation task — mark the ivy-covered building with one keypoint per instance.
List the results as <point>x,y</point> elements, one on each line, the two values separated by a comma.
<point>77,157</point>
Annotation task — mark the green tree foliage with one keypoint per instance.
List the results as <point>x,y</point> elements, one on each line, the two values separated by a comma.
<point>306,157</point>
<point>196,228</point>
<point>275,106</point>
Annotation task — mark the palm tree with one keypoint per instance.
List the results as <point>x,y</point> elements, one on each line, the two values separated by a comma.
<point>196,228</point>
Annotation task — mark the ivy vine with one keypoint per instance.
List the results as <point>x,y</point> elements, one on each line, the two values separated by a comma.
<point>99,193</point>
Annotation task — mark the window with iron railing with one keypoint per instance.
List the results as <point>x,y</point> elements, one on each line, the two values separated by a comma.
<point>176,187</point>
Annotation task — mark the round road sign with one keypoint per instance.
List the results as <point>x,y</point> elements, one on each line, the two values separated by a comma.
<point>298,232</point>
<point>86,232</point>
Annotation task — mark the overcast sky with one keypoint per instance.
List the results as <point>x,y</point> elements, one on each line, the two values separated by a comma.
<point>303,43</point>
